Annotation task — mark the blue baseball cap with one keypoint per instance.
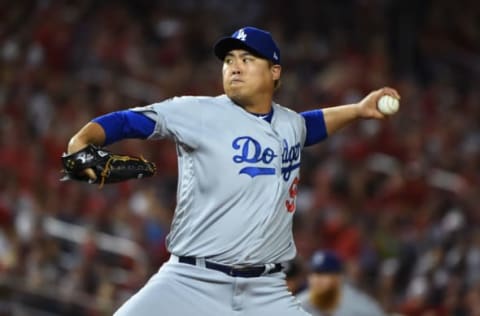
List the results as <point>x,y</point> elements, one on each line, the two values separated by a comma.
<point>252,39</point>
<point>325,262</point>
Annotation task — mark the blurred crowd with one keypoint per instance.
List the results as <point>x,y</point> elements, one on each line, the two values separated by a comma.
<point>398,200</point>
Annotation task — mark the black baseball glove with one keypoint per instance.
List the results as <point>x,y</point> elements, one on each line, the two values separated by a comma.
<point>107,166</point>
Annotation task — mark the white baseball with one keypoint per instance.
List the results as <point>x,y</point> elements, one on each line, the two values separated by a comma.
<point>388,105</point>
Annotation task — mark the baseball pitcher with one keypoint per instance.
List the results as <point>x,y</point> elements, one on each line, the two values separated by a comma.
<point>239,156</point>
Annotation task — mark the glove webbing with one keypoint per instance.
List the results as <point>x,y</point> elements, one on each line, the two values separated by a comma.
<point>106,170</point>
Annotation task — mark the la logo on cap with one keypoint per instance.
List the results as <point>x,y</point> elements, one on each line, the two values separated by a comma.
<point>252,39</point>
<point>242,35</point>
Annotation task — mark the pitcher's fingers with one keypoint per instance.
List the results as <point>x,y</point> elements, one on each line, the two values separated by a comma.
<point>391,92</point>
<point>90,173</point>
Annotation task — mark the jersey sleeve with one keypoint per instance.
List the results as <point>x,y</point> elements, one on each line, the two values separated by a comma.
<point>125,124</point>
<point>178,118</point>
<point>316,130</point>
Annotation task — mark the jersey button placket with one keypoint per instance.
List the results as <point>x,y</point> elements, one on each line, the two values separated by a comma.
<point>279,158</point>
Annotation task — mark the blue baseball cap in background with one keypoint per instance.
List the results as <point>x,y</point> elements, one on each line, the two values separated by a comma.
<point>325,262</point>
<point>252,39</point>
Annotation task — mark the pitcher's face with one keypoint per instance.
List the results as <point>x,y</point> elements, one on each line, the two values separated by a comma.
<point>245,76</point>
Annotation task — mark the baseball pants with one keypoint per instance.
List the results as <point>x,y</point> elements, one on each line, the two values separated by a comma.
<point>180,289</point>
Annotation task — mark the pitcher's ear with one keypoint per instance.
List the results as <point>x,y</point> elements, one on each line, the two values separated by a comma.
<point>276,71</point>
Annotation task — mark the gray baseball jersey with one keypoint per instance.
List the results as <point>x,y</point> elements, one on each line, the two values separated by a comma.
<point>238,177</point>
